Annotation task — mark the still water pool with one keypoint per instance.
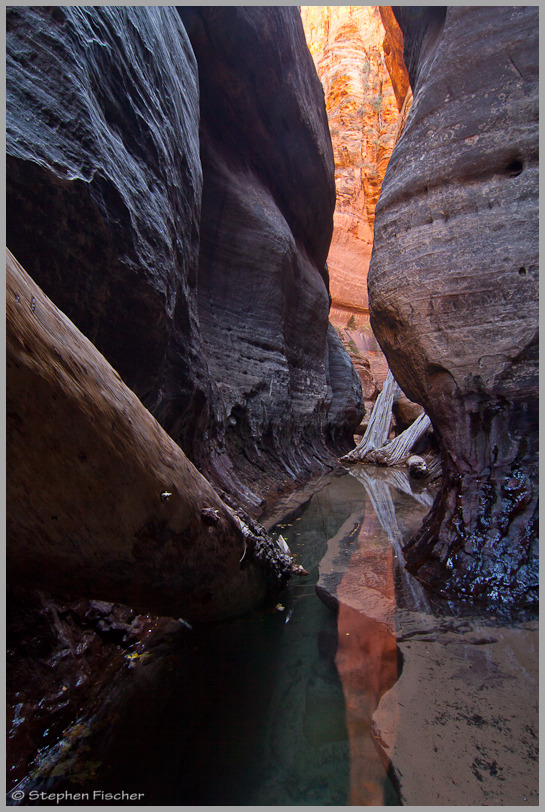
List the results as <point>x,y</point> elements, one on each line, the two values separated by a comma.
<point>277,707</point>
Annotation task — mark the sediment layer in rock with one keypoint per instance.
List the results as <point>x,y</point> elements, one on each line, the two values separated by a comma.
<point>453,289</point>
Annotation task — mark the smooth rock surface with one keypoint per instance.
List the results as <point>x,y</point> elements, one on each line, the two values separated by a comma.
<point>478,744</point>
<point>104,187</point>
<point>212,304</point>
<point>284,394</point>
<point>453,289</point>
<point>101,502</point>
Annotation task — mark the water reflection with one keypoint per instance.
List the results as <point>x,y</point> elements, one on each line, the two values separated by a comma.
<point>303,703</point>
<point>358,578</point>
<point>459,722</point>
<point>383,486</point>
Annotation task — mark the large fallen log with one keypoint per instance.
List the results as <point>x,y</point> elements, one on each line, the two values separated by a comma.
<point>101,503</point>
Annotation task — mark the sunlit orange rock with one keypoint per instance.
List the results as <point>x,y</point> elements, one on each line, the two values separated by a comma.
<point>353,63</point>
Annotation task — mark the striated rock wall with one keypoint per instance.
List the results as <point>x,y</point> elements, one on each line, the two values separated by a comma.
<point>211,301</point>
<point>453,289</point>
<point>104,187</point>
<point>365,84</point>
<point>283,388</point>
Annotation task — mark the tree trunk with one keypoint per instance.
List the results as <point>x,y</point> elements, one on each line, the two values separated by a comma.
<point>400,448</point>
<point>101,503</point>
<point>373,447</point>
<point>376,433</point>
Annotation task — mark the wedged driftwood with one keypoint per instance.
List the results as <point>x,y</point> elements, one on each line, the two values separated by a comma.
<point>101,503</point>
<point>373,447</point>
<point>377,430</point>
<point>400,447</point>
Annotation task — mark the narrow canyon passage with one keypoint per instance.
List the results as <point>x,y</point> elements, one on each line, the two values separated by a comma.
<point>242,243</point>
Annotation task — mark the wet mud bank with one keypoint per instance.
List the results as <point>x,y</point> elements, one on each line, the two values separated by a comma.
<point>458,724</point>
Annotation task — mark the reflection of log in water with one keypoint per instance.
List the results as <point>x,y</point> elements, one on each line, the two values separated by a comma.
<point>361,581</point>
<point>378,488</point>
<point>401,480</point>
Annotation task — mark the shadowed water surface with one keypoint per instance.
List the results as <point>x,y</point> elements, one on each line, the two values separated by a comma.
<point>276,708</point>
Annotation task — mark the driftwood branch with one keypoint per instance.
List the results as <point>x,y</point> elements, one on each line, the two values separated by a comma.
<point>399,448</point>
<point>376,433</point>
<point>373,447</point>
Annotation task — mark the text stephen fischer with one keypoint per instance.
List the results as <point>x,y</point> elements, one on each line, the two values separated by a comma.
<point>97,794</point>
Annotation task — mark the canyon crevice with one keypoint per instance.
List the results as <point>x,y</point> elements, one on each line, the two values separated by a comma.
<point>357,51</point>
<point>147,203</point>
<point>453,290</point>
<point>284,394</point>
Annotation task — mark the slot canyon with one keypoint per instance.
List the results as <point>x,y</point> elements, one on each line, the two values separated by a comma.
<point>243,243</point>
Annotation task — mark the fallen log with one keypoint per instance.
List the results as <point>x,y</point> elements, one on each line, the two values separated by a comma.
<point>101,503</point>
<point>373,447</point>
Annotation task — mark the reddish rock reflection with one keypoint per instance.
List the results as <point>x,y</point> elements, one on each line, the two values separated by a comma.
<point>367,655</point>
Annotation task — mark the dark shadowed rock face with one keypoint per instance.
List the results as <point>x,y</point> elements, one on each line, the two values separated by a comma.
<point>453,289</point>
<point>283,391</point>
<point>104,187</point>
<point>104,182</point>
<point>101,501</point>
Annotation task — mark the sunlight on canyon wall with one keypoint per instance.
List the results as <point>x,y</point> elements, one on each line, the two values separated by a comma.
<point>365,85</point>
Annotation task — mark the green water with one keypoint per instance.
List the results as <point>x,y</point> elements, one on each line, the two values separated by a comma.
<point>250,711</point>
<point>253,710</point>
<point>276,708</point>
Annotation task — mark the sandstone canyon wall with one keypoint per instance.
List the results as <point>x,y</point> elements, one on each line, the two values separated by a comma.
<point>104,186</point>
<point>453,289</point>
<point>358,55</point>
<point>173,195</point>
<point>283,385</point>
